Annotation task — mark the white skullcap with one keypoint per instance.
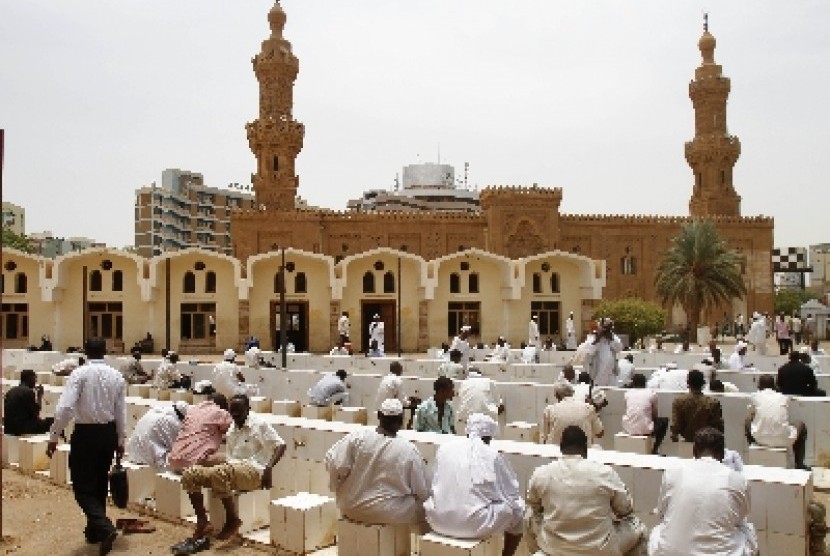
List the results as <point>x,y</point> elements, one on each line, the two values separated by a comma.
<point>391,407</point>
<point>181,406</point>
<point>229,355</point>
<point>480,425</point>
<point>466,328</point>
<point>741,344</point>
<point>535,317</point>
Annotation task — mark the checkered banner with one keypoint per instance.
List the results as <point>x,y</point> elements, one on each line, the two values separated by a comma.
<point>790,259</point>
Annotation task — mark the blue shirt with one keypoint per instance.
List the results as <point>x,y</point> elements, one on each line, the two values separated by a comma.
<point>426,417</point>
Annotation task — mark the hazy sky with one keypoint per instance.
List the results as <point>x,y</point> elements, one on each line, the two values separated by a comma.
<point>98,97</point>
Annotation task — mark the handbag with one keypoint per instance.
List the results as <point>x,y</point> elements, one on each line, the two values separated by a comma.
<point>119,486</point>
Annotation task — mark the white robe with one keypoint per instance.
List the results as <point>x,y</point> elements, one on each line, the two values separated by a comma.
<point>464,347</point>
<point>460,507</point>
<point>376,330</point>
<point>570,334</point>
<point>602,360</point>
<point>153,437</point>
<point>476,394</point>
<point>533,338</point>
<point>391,387</point>
<point>757,336</point>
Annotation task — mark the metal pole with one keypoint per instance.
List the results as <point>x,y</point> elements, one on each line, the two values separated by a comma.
<point>400,287</point>
<point>283,335</point>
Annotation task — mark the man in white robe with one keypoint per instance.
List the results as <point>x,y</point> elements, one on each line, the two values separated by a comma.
<point>703,506</point>
<point>391,386</point>
<point>533,337</point>
<point>344,326</point>
<point>376,333</point>
<point>757,335</point>
<point>737,361</point>
<point>228,380</point>
<point>602,355</point>
<point>252,357</point>
<point>570,332</point>
<point>378,478</point>
<point>477,394</point>
<point>475,492</point>
<point>462,344</point>
<point>155,433</point>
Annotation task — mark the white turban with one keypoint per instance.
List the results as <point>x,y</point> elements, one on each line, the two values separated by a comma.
<point>481,456</point>
<point>229,355</point>
<point>740,345</point>
<point>391,407</point>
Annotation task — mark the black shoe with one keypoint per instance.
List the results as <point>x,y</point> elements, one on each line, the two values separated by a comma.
<point>106,544</point>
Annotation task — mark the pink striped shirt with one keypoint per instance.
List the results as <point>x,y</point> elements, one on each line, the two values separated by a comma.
<point>200,435</point>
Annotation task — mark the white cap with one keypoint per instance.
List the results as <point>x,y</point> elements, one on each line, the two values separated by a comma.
<point>740,345</point>
<point>181,406</point>
<point>535,317</point>
<point>480,425</point>
<point>391,407</point>
<point>466,328</point>
<point>229,355</point>
<point>377,316</point>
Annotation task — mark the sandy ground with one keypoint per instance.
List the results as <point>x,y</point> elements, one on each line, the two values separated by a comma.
<point>40,518</point>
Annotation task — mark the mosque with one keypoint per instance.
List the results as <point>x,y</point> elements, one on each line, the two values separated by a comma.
<point>424,272</point>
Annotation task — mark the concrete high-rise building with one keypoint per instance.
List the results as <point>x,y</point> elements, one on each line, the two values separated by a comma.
<point>14,218</point>
<point>185,213</point>
<point>820,263</point>
<point>47,244</point>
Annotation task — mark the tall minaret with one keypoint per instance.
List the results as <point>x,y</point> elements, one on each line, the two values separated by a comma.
<point>275,137</point>
<point>713,152</point>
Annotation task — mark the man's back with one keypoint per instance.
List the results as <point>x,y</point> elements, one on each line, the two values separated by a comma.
<point>325,388</point>
<point>703,505</point>
<point>20,408</point>
<point>796,379</point>
<point>639,416</point>
<point>567,412</point>
<point>475,396</point>
<point>771,422</point>
<point>389,388</point>
<point>153,437</point>
<point>694,411</point>
<point>200,435</point>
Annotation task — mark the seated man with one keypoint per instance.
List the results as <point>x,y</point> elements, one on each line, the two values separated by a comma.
<point>228,380</point>
<point>584,390</point>
<point>641,416</point>
<point>452,368</point>
<point>167,376</point>
<point>769,424</point>
<point>377,477</point>
<point>566,412</point>
<point>154,434</point>
<point>340,348</point>
<point>625,370</point>
<point>797,379</point>
<point>694,410</point>
<point>331,389</point>
<point>391,386</point>
<point>576,506</point>
<point>703,506</point>
<point>133,372</point>
<point>201,433</point>
<point>436,414</point>
<point>253,449</point>
<point>477,394</point>
<point>22,403</point>
<point>500,352</point>
<point>737,361</point>
<point>252,357</point>
<point>475,492</point>
<point>65,367</point>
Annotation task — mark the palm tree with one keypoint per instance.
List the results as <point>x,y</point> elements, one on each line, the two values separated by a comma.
<point>699,272</point>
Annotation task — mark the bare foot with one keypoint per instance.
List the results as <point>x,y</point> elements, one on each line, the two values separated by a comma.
<point>202,530</point>
<point>230,529</point>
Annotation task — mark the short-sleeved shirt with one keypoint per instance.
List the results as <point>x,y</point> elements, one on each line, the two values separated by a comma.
<point>639,415</point>
<point>254,442</point>
<point>200,435</point>
<point>570,411</point>
<point>426,417</point>
<point>325,388</point>
<point>20,409</point>
<point>771,423</point>
<point>694,411</point>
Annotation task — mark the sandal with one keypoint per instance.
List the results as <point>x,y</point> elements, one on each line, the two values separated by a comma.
<point>138,526</point>
<point>190,546</point>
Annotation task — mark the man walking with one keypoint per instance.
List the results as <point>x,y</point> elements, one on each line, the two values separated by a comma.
<point>94,395</point>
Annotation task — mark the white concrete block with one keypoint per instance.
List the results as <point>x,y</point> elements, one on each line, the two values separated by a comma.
<point>780,544</point>
<point>59,466</point>
<point>303,523</point>
<point>290,408</point>
<point>161,394</point>
<point>32,453</point>
<point>44,377</point>
<point>139,390</point>
<point>142,481</point>
<point>317,412</point>
<point>181,396</point>
<point>633,443</point>
<point>11,445</point>
<point>59,380</point>
<point>758,505</point>
<point>171,499</point>
<point>679,449</point>
<point>260,404</point>
<point>251,507</point>
<point>360,539</point>
<point>767,456</point>
<point>786,509</point>
<point>521,431</point>
<point>433,544</point>
<point>356,415</point>
<point>199,398</point>
<point>647,487</point>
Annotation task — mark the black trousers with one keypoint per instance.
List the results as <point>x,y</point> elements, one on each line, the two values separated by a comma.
<point>36,426</point>
<point>661,427</point>
<point>90,459</point>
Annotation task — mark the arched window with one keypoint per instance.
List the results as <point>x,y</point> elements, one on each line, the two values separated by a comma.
<point>300,285</point>
<point>189,285</point>
<point>210,282</point>
<point>388,283</point>
<point>537,282</point>
<point>628,265</point>
<point>455,283</point>
<point>368,283</point>
<point>554,283</point>
<point>472,283</point>
<point>117,281</point>
<point>277,282</point>
<point>95,281</point>
<point>21,284</point>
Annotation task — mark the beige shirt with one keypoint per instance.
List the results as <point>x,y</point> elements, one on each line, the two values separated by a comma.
<point>570,411</point>
<point>771,422</point>
<point>254,442</point>
<point>572,503</point>
<point>640,404</point>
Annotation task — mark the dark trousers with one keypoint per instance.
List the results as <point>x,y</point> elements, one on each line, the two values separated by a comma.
<point>90,459</point>
<point>784,345</point>
<point>661,427</point>
<point>36,426</point>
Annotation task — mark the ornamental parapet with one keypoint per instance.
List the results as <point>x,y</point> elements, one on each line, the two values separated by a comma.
<point>511,194</point>
<point>645,219</point>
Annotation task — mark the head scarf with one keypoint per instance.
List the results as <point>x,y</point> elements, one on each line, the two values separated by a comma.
<point>482,458</point>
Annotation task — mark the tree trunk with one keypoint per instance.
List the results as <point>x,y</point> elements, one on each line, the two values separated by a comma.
<point>693,314</point>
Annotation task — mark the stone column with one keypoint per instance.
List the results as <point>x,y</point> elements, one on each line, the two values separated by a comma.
<point>244,323</point>
<point>423,326</point>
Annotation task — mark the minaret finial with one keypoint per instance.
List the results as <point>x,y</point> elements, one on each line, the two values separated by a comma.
<point>705,21</point>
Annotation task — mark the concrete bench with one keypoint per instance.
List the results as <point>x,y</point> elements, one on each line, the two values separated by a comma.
<point>355,415</point>
<point>433,544</point>
<point>181,396</point>
<point>768,456</point>
<point>142,481</point>
<point>59,466</point>
<point>11,444</point>
<point>171,499</point>
<point>521,431</point>
<point>32,453</point>
<point>139,390</point>
<point>160,394</point>
<point>260,404</point>
<point>361,539</point>
<point>251,507</point>
<point>291,408</point>
<point>322,412</point>
<point>303,523</point>
<point>637,444</point>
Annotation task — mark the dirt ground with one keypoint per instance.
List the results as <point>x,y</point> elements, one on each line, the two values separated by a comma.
<point>40,518</point>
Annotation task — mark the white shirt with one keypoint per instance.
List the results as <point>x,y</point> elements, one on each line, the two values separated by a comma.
<point>252,357</point>
<point>377,479</point>
<point>325,388</point>
<point>253,443</point>
<point>93,393</point>
<point>343,325</point>
<point>640,404</point>
<point>452,370</point>
<point>757,332</point>
<point>533,333</point>
<point>703,507</point>
<point>376,332</point>
<point>476,394</point>
<point>736,362</point>
<point>225,381</point>
<point>626,371</point>
<point>153,437</point>
<point>500,353</point>
<point>390,388</point>
<point>165,375</point>
<point>460,508</point>
<point>771,423</point>
<point>464,347</point>
<point>602,358</point>
<point>337,350</point>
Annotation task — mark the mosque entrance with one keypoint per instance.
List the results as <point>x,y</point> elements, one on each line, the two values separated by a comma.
<point>106,320</point>
<point>14,325</point>
<point>296,319</point>
<point>388,314</point>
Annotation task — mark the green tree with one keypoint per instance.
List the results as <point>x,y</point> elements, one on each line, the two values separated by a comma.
<point>17,241</point>
<point>699,272</point>
<point>633,316</point>
<point>789,300</point>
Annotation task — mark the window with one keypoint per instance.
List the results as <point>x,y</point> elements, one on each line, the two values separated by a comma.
<point>455,283</point>
<point>210,282</point>
<point>537,282</point>
<point>15,321</point>
<point>472,283</point>
<point>548,312</point>
<point>21,284</point>
<point>278,282</point>
<point>117,281</point>
<point>276,164</point>
<point>106,320</point>
<point>189,285</point>
<point>368,283</point>
<point>388,283</point>
<point>463,313</point>
<point>554,283</point>
<point>300,285</point>
<point>628,265</point>
<point>95,281</point>
<point>195,321</point>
